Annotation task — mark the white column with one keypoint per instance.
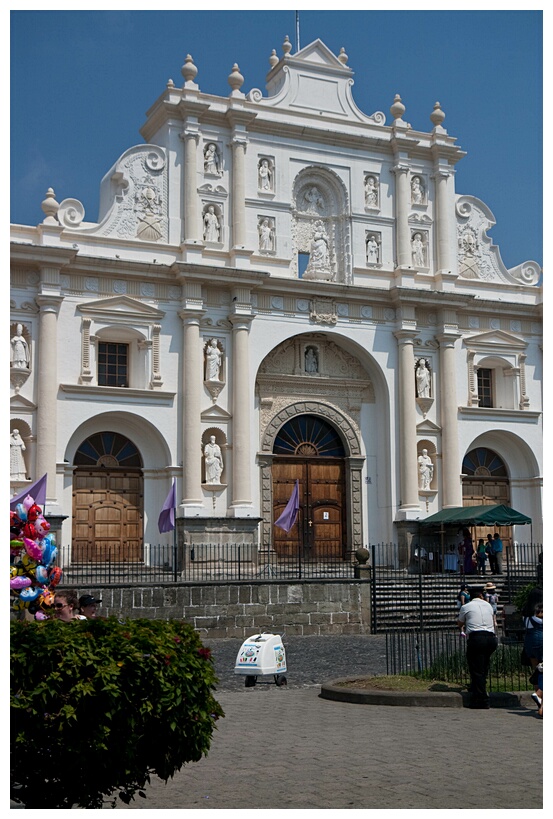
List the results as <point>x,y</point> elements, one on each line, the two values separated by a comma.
<point>238,191</point>
<point>241,412</point>
<point>192,232</point>
<point>451,462</point>
<point>444,211</point>
<point>191,406</point>
<point>407,450</point>
<point>47,391</point>
<point>402,200</point>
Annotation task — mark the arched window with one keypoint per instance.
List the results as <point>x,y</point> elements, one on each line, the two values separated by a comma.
<point>485,478</point>
<point>308,436</point>
<point>108,449</point>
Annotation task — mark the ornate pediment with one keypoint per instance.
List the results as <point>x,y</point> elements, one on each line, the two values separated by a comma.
<point>215,414</point>
<point>117,308</point>
<point>19,402</point>
<point>428,427</point>
<point>314,81</point>
<point>495,340</point>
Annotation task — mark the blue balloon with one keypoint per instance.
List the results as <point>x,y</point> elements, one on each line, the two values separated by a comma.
<point>30,594</point>
<point>21,512</point>
<point>41,575</point>
<point>49,553</point>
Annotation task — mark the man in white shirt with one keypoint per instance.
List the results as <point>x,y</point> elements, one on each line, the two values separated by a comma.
<point>477,620</point>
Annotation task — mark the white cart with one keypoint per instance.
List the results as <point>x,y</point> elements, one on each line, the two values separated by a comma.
<point>261,654</point>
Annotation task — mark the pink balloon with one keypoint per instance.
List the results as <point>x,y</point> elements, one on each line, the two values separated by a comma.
<point>20,582</point>
<point>41,616</point>
<point>28,502</point>
<point>32,548</point>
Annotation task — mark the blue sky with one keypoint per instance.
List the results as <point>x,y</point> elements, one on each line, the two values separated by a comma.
<point>81,82</point>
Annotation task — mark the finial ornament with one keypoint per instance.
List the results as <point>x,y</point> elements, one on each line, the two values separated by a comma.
<point>287,45</point>
<point>189,70</point>
<point>437,116</point>
<point>170,83</point>
<point>397,109</point>
<point>273,59</point>
<point>50,207</point>
<point>235,78</point>
<point>342,56</point>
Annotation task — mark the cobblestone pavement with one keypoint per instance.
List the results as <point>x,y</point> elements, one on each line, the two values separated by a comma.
<point>288,748</point>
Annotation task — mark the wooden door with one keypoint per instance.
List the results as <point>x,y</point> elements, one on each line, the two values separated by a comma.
<point>487,492</point>
<point>107,516</point>
<point>319,531</point>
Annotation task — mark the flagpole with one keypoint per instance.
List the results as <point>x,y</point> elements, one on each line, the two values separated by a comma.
<point>297,31</point>
<point>175,541</point>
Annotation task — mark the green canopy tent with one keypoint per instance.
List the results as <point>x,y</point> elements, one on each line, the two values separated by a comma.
<point>468,516</point>
<point>499,515</point>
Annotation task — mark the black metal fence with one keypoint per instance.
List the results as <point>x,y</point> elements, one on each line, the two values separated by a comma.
<point>441,656</point>
<point>199,563</point>
<point>417,589</point>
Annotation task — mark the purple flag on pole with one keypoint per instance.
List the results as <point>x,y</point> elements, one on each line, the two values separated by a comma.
<point>290,513</point>
<point>36,490</point>
<point>166,520</point>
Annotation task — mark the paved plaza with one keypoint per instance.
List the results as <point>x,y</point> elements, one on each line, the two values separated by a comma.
<point>289,748</point>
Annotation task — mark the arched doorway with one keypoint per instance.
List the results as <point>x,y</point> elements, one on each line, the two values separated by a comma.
<point>308,449</point>
<point>108,500</point>
<point>486,483</point>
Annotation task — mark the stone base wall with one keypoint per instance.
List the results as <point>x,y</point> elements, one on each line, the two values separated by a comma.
<point>241,609</point>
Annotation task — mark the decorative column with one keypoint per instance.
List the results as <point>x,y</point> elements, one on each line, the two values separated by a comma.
<point>191,429</point>
<point>403,236</point>
<point>241,320</point>
<point>238,120</point>
<point>239,143</point>
<point>524,401</point>
<point>444,211</point>
<point>191,136</point>
<point>451,465</point>
<point>407,450</point>
<point>47,390</point>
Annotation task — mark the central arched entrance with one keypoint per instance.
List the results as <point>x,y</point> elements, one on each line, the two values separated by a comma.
<point>308,449</point>
<point>107,500</point>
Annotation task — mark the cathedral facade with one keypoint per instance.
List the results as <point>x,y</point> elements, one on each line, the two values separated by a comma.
<point>279,288</point>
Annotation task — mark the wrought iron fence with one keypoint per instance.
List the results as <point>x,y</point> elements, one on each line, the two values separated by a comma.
<point>199,563</point>
<point>441,656</point>
<point>417,588</point>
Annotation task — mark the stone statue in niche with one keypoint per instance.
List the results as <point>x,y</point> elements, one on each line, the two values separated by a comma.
<point>213,461</point>
<point>422,377</point>
<point>311,360</point>
<point>318,265</point>
<point>417,191</point>
<point>418,250</point>
<point>312,200</point>
<point>371,192</point>
<point>19,353</point>
<point>373,249</point>
<point>211,160</point>
<point>18,470</point>
<point>213,361</point>
<point>266,236</point>
<point>426,470</point>
<point>265,176</point>
<point>212,229</point>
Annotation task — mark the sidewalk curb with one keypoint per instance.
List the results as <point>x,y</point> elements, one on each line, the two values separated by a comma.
<point>338,691</point>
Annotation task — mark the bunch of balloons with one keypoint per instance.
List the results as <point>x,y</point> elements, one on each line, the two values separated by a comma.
<point>33,573</point>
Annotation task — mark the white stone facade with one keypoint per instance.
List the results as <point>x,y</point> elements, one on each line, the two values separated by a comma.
<point>307,318</point>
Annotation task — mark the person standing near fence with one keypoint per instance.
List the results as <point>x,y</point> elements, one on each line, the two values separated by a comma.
<point>491,555</point>
<point>498,553</point>
<point>481,556</point>
<point>477,620</point>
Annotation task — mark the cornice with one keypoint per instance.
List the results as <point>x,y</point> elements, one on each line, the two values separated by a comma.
<point>117,393</point>
<point>38,255</point>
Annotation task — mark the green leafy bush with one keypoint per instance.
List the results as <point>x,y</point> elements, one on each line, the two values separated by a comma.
<point>98,706</point>
<point>522,595</point>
